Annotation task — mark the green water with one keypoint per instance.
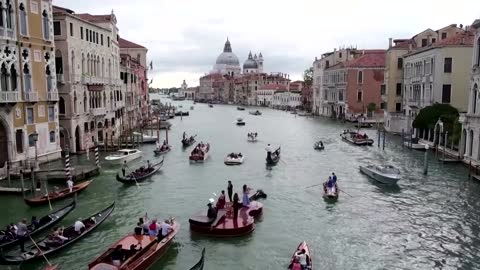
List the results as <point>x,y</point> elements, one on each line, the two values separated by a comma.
<point>426,221</point>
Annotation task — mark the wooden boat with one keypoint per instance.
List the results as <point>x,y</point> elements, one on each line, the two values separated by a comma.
<point>200,263</point>
<point>188,141</point>
<point>124,155</point>
<point>257,112</point>
<point>44,223</point>
<point>328,195</point>
<point>414,144</point>
<point>163,151</point>
<point>385,174</point>
<point>151,251</point>
<point>240,122</point>
<point>273,158</point>
<point>252,137</point>
<point>234,159</point>
<point>180,113</point>
<point>57,195</point>
<point>302,246</point>
<point>210,105</point>
<point>144,138</point>
<point>224,224</point>
<point>200,153</point>
<point>138,176</point>
<point>49,247</point>
<point>356,138</point>
<point>52,267</point>
<point>240,108</point>
<point>318,146</point>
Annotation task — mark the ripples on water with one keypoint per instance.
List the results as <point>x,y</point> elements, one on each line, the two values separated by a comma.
<point>426,222</point>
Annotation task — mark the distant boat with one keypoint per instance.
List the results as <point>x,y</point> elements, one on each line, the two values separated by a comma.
<point>273,158</point>
<point>257,112</point>
<point>210,105</point>
<point>318,146</point>
<point>234,159</point>
<point>200,153</point>
<point>385,174</point>
<point>240,108</point>
<point>124,155</point>
<point>200,263</point>
<point>240,122</point>
<point>356,138</point>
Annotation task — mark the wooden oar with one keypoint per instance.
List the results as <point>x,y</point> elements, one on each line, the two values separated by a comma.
<point>314,185</point>
<point>48,196</point>
<point>345,192</point>
<point>132,175</point>
<point>39,249</point>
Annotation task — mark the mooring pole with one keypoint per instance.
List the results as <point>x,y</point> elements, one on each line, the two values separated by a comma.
<point>425,161</point>
<point>403,138</point>
<point>384,135</point>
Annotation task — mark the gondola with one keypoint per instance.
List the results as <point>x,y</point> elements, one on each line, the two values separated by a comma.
<point>328,196</point>
<point>44,223</point>
<point>51,267</point>
<point>199,264</point>
<point>273,158</point>
<point>48,247</point>
<point>189,141</point>
<point>303,245</point>
<point>57,195</point>
<point>137,176</point>
<point>318,146</point>
<point>159,152</point>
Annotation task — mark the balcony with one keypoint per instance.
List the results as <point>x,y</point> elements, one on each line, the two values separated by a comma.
<point>98,112</point>
<point>52,96</point>
<point>10,97</point>
<point>60,78</point>
<point>30,97</point>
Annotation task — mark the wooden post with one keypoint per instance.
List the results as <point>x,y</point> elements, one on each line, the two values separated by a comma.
<point>166,135</point>
<point>378,137</point>
<point>403,138</point>
<point>23,184</point>
<point>384,134</point>
<point>8,174</point>
<point>32,176</point>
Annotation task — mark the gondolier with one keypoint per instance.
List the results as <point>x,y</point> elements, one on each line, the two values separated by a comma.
<point>124,167</point>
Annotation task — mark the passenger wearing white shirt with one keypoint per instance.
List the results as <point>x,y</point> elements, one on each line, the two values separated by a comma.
<point>302,258</point>
<point>70,184</point>
<point>165,229</point>
<point>79,226</point>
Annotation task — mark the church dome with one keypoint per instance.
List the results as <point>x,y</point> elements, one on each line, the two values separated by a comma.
<point>250,63</point>
<point>227,57</point>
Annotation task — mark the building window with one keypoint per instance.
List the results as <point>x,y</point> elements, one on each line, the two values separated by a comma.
<point>9,15</point>
<point>398,107</point>
<point>23,19</point>
<point>57,30</point>
<point>31,142</point>
<point>434,40</point>
<point>45,23</point>
<point>327,64</point>
<point>51,114</point>
<point>81,32</point>
<point>444,35</point>
<point>383,105</point>
<point>399,90</point>
<point>359,96</point>
<point>382,89</point>
<point>71,29</point>
<point>101,39</point>
<point>399,63</point>
<point>91,35</point>
<point>424,42</point>
<point>52,136</point>
<point>27,78</point>
<point>360,77</point>
<point>61,106</point>
<point>86,34</point>
<point>340,54</point>
<point>108,41</point>
<point>96,38</point>
<point>478,52</point>
<point>13,78</point>
<point>447,65</point>
<point>30,116</point>
<point>19,140</point>
<point>446,92</point>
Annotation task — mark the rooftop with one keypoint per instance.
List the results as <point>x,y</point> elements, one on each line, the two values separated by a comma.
<point>123,43</point>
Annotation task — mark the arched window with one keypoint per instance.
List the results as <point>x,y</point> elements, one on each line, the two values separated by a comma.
<point>27,78</point>
<point>61,106</point>
<point>111,101</point>
<point>4,78</point>
<point>23,19</point>
<point>478,52</point>
<point>88,65</point>
<point>1,15</point>
<point>31,141</point>
<point>85,106</point>
<point>109,68</point>
<point>102,71</point>
<point>13,78</point>
<point>72,69</point>
<point>104,100</point>
<point>52,136</point>
<point>9,14</point>
<point>83,64</point>
<point>474,99</point>
<point>470,147</point>
<point>75,102</point>
<point>48,74</point>
<point>46,25</point>
<point>360,77</point>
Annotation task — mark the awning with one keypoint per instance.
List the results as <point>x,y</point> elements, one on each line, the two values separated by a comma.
<point>96,87</point>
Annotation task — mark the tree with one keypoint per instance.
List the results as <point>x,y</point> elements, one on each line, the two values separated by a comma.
<point>371,107</point>
<point>308,76</point>
<point>428,117</point>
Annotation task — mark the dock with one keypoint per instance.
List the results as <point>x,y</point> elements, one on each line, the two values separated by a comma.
<point>14,190</point>
<point>79,173</point>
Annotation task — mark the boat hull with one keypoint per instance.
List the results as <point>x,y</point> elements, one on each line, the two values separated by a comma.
<point>120,160</point>
<point>240,123</point>
<point>415,146</point>
<point>65,193</point>
<point>234,161</point>
<point>382,178</point>
<point>358,142</point>
<point>303,245</point>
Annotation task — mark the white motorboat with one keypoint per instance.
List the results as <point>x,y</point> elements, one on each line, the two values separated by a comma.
<point>415,146</point>
<point>146,138</point>
<point>240,122</point>
<point>385,174</point>
<point>356,138</point>
<point>252,137</point>
<point>234,159</point>
<point>257,112</point>
<point>124,155</point>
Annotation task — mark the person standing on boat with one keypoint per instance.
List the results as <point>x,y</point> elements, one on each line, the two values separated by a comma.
<point>230,190</point>
<point>245,198</point>
<point>148,164</point>
<point>79,226</point>
<point>236,206</point>
<point>70,184</point>
<point>334,179</point>
<point>165,229</point>
<point>221,201</point>
<point>22,233</point>
<point>269,151</point>
<point>124,167</point>
<point>184,135</point>
<point>153,228</point>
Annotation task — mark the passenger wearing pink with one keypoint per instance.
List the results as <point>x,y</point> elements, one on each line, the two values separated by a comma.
<point>221,201</point>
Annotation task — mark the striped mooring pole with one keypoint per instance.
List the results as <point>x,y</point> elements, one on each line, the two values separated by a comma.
<point>67,164</point>
<point>97,160</point>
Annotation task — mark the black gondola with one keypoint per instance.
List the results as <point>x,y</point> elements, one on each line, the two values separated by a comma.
<point>140,174</point>
<point>273,158</point>
<point>158,152</point>
<point>188,141</point>
<point>47,246</point>
<point>318,146</point>
<point>44,223</point>
<point>199,264</point>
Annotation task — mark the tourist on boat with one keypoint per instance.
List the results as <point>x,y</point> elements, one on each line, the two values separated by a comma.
<point>296,264</point>
<point>245,198</point>
<point>118,255</point>
<point>138,229</point>
<point>153,228</point>
<point>230,190</point>
<point>133,249</point>
<point>70,184</point>
<point>57,236</point>
<point>148,164</point>
<point>334,178</point>
<point>35,223</point>
<point>221,201</point>
<point>22,233</point>
<point>212,212</point>
<point>144,225</point>
<point>79,226</point>
<point>236,206</point>
<point>302,258</point>
<point>124,167</point>
<point>165,229</point>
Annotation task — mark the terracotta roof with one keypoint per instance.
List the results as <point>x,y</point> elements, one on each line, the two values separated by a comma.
<point>464,38</point>
<point>368,60</point>
<point>57,9</point>
<point>402,43</point>
<point>123,43</point>
<point>95,18</point>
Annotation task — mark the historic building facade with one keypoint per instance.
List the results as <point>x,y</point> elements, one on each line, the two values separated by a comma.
<point>28,100</point>
<point>91,102</point>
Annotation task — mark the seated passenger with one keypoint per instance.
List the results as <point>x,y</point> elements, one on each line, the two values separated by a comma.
<point>118,255</point>
<point>212,212</point>
<point>129,253</point>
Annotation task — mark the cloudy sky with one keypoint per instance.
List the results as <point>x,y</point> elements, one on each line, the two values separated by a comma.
<point>184,37</point>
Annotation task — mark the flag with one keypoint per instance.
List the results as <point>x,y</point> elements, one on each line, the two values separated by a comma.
<point>151,81</point>
<point>151,64</point>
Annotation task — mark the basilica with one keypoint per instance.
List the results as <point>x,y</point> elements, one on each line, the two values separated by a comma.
<point>228,64</point>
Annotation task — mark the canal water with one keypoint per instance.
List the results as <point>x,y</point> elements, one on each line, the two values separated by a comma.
<point>425,222</point>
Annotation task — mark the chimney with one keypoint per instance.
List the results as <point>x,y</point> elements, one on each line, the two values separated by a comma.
<point>390,43</point>
<point>461,26</point>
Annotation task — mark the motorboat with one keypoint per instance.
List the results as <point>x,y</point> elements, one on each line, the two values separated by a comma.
<point>123,155</point>
<point>200,153</point>
<point>273,156</point>
<point>240,122</point>
<point>240,108</point>
<point>210,105</point>
<point>385,174</point>
<point>318,146</point>
<point>303,113</point>
<point>234,159</point>
<point>414,144</point>
<point>257,112</point>
<point>356,138</point>
<point>252,137</point>
<point>181,113</point>
<point>144,137</point>
<point>302,246</point>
